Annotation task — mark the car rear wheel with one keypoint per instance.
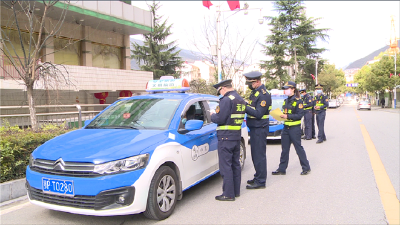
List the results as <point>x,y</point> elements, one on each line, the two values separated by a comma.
<point>162,194</point>
<point>242,156</point>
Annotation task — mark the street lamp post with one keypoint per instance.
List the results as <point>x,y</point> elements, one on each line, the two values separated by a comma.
<point>246,7</point>
<point>316,71</point>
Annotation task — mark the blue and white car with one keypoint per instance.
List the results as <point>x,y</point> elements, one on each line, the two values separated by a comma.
<point>137,155</point>
<point>275,126</point>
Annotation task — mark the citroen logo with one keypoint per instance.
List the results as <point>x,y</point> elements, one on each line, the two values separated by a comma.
<point>59,164</point>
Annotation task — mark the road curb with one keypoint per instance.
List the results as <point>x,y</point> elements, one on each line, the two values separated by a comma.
<point>12,190</point>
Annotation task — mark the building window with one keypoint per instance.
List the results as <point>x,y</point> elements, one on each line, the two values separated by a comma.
<point>67,52</point>
<point>105,56</point>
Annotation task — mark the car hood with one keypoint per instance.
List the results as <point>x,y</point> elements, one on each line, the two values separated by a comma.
<point>99,145</point>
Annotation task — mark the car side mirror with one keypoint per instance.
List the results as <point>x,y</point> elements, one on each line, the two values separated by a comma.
<point>87,122</point>
<point>191,125</point>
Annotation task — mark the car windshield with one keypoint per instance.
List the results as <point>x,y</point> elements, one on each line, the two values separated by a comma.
<point>364,102</point>
<point>151,113</point>
<point>332,100</point>
<point>277,103</point>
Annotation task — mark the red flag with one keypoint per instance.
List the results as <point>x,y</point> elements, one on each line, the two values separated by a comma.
<point>391,75</point>
<point>207,4</point>
<point>313,77</point>
<point>234,5</point>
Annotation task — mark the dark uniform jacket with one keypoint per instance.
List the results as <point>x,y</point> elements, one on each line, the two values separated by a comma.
<point>308,102</point>
<point>229,116</point>
<point>258,108</point>
<point>322,102</point>
<point>293,108</point>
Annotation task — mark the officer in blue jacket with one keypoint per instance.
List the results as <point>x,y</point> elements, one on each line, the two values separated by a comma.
<point>293,112</point>
<point>308,104</point>
<point>321,103</point>
<point>229,116</point>
<point>257,120</point>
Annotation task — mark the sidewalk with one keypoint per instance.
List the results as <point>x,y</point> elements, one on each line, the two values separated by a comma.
<point>375,107</point>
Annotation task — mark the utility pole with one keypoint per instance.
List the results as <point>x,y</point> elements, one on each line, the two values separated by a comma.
<point>219,43</point>
<point>316,71</point>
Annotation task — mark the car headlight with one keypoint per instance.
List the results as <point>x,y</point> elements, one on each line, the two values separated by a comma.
<point>123,165</point>
<point>31,161</point>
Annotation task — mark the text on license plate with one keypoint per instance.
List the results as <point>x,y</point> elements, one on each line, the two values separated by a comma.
<point>64,187</point>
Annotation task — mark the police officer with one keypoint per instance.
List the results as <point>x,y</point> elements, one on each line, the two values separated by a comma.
<point>293,112</point>
<point>308,104</point>
<point>321,103</point>
<point>257,111</point>
<point>229,116</point>
<point>313,120</point>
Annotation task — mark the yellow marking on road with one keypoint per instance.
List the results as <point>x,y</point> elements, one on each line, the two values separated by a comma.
<point>389,199</point>
<point>12,209</point>
<point>359,120</point>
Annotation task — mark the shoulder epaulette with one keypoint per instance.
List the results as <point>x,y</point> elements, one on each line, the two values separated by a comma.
<point>231,97</point>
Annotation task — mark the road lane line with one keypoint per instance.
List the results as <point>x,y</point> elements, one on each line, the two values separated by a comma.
<point>12,209</point>
<point>389,199</point>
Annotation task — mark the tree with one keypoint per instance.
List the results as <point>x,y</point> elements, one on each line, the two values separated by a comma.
<point>376,77</point>
<point>155,55</point>
<point>292,42</point>
<point>234,55</point>
<point>201,86</point>
<point>332,79</point>
<point>33,31</point>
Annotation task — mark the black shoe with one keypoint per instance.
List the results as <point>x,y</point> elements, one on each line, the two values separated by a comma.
<point>277,172</point>
<point>324,139</point>
<point>255,186</point>
<point>308,139</point>
<point>305,172</point>
<point>303,137</point>
<point>314,138</point>
<point>237,196</point>
<point>319,141</point>
<point>250,181</point>
<point>224,198</point>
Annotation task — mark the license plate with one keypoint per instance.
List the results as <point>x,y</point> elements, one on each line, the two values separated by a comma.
<point>60,187</point>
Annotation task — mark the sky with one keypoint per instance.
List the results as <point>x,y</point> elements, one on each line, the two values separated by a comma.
<point>357,28</point>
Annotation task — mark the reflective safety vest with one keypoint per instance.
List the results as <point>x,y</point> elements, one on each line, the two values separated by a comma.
<point>305,100</point>
<point>237,115</point>
<point>319,102</point>
<point>289,110</point>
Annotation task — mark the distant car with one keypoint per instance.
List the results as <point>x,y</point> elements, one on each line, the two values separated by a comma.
<point>364,105</point>
<point>333,103</point>
<point>341,100</point>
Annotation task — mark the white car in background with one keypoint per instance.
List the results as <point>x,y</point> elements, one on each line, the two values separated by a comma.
<point>333,103</point>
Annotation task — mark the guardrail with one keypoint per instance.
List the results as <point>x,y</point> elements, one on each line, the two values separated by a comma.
<point>71,118</point>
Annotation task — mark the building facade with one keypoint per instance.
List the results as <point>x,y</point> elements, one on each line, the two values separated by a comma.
<point>92,44</point>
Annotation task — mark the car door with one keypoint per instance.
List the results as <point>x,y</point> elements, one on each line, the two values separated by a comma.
<point>199,154</point>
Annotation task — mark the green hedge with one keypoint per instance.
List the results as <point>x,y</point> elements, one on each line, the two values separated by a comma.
<point>17,144</point>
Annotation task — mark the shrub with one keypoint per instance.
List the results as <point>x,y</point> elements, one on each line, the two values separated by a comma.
<point>17,144</point>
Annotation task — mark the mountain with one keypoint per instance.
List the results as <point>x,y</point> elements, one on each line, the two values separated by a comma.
<point>186,55</point>
<point>361,62</point>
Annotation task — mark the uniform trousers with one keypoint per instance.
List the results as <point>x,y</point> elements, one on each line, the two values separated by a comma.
<point>321,124</point>
<point>292,134</point>
<point>229,167</point>
<point>313,125</point>
<point>258,143</point>
<point>308,123</point>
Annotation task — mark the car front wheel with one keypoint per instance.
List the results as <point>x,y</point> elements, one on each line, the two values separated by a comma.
<point>162,194</point>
